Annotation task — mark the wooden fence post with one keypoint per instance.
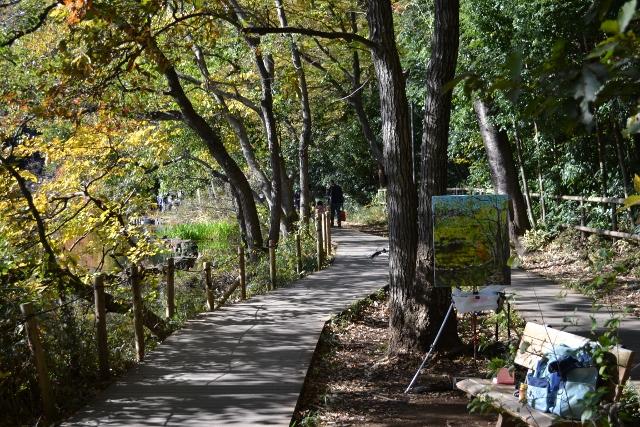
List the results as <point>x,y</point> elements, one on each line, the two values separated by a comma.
<point>272,264</point>
<point>208,285</point>
<point>243,273</point>
<point>171,292</point>
<point>319,245</point>
<point>137,312</point>
<point>298,254</point>
<point>33,336</point>
<point>101,326</point>
<point>583,218</point>
<point>329,248</point>
<point>325,219</point>
<point>614,218</point>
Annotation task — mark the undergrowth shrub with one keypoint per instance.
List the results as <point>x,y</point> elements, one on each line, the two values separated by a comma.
<point>372,214</point>
<point>535,239</point>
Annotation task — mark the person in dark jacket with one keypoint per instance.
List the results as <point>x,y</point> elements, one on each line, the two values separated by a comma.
<point>336,199</point>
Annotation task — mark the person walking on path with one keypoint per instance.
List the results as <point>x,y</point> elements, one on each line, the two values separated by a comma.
<point>336,199</point>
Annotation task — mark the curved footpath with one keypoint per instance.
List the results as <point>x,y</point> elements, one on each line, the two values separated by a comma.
<point>539,300</point>
<point>246,363</point>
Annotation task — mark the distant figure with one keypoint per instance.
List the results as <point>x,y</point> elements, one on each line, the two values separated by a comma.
<point>336,199</point>
<point>320,208</point>
<point>296,200</point>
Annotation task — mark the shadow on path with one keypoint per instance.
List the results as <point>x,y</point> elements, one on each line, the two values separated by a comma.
<point>543,301</point>
<point>244,364</point>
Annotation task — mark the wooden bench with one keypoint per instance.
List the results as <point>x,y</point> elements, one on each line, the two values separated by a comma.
<point>537,340</point>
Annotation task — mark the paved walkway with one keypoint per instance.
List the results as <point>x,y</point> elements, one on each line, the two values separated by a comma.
<point>542,301</point>
<point>245,364</point>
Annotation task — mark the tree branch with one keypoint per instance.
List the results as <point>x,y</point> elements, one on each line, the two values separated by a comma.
<point>350,37</point>
<point>42,17</point>
<point>171,115</point>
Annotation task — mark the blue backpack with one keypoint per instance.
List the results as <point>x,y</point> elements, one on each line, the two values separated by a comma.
<point>561,380</point>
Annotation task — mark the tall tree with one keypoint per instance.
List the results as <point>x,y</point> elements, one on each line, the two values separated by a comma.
<point>433,302</point>
<point>401,190</point>
<point>304,140</point>
<point>503,169</point>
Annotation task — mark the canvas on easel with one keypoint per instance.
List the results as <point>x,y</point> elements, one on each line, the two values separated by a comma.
<point>471,240</point>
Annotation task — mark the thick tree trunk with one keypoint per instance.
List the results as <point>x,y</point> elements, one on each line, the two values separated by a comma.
<point>401,193</point>
<point>305,107</point>
<point>288,210</point>
<point>503,169</point>
<point>432,302</point>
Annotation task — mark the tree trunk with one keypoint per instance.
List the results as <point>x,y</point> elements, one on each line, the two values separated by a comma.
<point>235,122</point>
<point>247,149</point>
<point>624,173</point>
<point>401,193</point>
<point>239,214</point>
<point>602,160</point>
<point>288,210</point>
<point>305,135</point>
<point>543,210</point>
<point>503,170</point>
<point>523,176</point>
<point>433,302</point>
<point>354,98</point>
<point>265,65</point>
<point>265,70</point>
<point>356,102</point>
<point>217,150</point>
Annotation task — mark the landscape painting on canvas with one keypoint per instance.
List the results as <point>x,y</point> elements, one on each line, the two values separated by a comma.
<point>471,240</point>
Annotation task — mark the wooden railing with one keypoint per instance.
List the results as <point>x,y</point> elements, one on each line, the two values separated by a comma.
<point>582,200</point>
<point>135,278</point>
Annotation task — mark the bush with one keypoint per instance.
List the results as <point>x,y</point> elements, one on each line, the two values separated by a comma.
<point>373,214</point>
<point>534,240</point>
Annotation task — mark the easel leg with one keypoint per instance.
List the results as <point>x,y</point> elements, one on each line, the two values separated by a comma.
<point>435,341</point>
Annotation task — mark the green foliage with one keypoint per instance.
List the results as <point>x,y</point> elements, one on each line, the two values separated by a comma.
<point>629,410</point>
<point>535,239</point>
<point>214,235</point>
<point>372,214</point>
<point>482,404</point>
<point>311,419</point>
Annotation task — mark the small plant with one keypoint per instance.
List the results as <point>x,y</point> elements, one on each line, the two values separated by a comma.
<point>536,239</point>
<point>482,404</point>
<point>310,419</point>
<point>373,214</point>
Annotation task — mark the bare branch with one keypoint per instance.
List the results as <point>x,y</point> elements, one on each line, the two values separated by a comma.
<point>350,37</point>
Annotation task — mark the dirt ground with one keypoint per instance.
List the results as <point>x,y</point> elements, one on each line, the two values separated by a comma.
<point>352,382</point>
